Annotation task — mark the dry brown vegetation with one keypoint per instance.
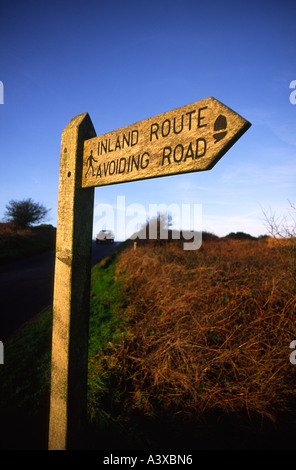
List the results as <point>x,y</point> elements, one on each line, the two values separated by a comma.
<point>16,242</point>
<point>209,330</point>
<point>9,230</point>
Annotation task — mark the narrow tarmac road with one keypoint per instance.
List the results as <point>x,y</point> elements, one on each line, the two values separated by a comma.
<point>26,287</point>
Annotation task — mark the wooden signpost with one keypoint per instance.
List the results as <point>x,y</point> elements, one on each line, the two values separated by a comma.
<point>191,138</point>
<point>187,139</point>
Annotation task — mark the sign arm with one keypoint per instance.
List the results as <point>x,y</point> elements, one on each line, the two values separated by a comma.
<point>68,398</point>
<point>244,127</point>
<point>184,140</point>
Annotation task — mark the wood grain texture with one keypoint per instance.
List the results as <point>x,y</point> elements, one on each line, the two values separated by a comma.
<point>71,291</point>
<point>187,139</point>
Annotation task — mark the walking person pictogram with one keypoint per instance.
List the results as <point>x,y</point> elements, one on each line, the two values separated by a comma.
<point>90,161</point>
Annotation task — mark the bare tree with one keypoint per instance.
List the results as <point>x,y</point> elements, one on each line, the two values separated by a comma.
<point>284,229</point>
<point>155,228</point>
<point>281,227</point>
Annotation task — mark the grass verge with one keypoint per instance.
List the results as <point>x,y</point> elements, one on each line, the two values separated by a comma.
<point>25,374</point>
<point>187,350</point>
<point>205,358</point>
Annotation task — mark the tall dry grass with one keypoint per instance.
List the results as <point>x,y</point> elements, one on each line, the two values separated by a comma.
<point>209,330</point>
<point>9,232</point>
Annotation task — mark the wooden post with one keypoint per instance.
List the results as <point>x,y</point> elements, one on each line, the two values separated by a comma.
<point>68,399</point>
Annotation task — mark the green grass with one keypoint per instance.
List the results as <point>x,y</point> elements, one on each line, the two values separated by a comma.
<point>25,374</point>
<point>122,412</point>
<point>25,379</point>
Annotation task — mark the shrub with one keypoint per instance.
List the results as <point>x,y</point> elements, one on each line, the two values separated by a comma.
<point>25,213</point>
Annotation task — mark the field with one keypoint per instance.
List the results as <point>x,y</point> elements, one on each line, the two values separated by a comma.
<point>205,341</point>
<point>187,350</point>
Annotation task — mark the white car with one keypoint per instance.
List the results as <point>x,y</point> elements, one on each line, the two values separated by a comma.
<point>105,236</point>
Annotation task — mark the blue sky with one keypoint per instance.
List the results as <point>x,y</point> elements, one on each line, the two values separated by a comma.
<point>125,61</point>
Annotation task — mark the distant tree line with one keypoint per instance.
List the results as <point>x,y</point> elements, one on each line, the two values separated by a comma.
<point>240,236</point>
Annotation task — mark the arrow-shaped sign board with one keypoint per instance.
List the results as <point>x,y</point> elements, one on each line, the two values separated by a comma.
<point>187,139</point>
